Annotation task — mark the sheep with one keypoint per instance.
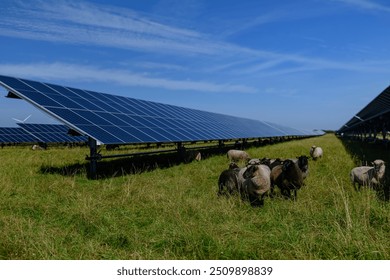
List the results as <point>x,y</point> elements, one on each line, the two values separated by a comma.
<point>237,155</point>
<point>198,156</point>
<point>254,161</point>
<point>316,152</point>
<point>192,155</point>
<point>370,176</point>
<point>256,184</point>
<point>270,162</point>
<point>228,180</point>
<point>274,162</point>
<point>232,179</point>
<point>287,177</point>
<point>303,164</point>
<point>37,147</point>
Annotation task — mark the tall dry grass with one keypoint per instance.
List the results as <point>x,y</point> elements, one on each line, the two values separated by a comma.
<point>174,213</point>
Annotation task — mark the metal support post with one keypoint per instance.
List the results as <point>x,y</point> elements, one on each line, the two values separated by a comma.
<point>93,158</point>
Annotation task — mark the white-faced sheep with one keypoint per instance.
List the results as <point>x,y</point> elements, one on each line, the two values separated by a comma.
<point>316,152</point>
<point>257,183</point>
<point>288,177</point>
<point>371,176</point>
<point>238,155</point>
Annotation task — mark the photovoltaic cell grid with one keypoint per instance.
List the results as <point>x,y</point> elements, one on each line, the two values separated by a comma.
<point>112,119</point>
<point>378,106</point>
<point>51,133</point>
<point>15,135</point>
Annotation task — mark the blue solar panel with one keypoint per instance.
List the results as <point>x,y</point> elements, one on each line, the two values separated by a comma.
<point>51,133</point>
<point>113,119</point>
<point>15,135</point>
<point>288,131</point>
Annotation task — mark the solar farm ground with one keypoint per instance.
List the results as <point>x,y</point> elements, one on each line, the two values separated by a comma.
<point>50,210</point>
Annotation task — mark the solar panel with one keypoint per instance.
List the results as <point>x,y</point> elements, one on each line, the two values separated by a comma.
<point>51,133</point>
<point>288,131</point>
<point>378,107</point>
<point>112,119</point>
<point>15,135</point>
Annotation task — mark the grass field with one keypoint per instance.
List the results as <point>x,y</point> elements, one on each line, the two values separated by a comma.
<point>174,213</point>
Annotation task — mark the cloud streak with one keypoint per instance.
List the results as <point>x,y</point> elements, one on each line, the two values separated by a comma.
<point>366,5</point>
<point>81,23</point>
<point>75,72</point>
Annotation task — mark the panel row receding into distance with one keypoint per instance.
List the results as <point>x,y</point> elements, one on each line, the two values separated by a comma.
<point>112,119</point>
<point>15,135</point>
<point>51,133</point>
<point>378,107</point>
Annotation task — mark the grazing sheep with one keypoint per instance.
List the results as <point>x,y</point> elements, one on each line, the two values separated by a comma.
<point>257,183</point>
<point>316,152</point>
<point>275,162</point>
<point>228,180</point>
<point>287,177</point>
<point>37,147</point>
<point>192,155</point>
<point>303,164</point>
<point>266,161</point>
<point>254,161</point>
<point>198,156</point>
<point>370,176</point>
<point>237,155</point>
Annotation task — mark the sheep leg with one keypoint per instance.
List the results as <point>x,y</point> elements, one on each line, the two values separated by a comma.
<point>356,186</point>
<point>286,193</point>
<point>220,189</point>
<point>295,194</point>
<point>271,194</point>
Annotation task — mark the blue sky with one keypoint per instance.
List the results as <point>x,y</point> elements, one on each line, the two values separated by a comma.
<point>308,64</point>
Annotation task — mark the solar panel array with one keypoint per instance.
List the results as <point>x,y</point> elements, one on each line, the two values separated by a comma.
<point>377,107</point>
<point>51,133</point>
<point>15,135</point>
<point>112,119</point>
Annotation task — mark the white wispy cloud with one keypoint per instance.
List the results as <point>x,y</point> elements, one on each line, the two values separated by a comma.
<point>89,24</point>
<point>84,23</point>
<point>75,72</point>
<point>367,5</point>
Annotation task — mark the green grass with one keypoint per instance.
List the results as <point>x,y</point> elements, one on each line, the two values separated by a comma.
<point>174,213</point>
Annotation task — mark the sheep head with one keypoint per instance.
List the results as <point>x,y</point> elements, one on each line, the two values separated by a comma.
<point>379,165</point>
<point>233,165</point>
<point>250,172</point>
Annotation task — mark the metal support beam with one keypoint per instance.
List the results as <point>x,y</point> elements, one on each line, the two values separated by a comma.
<point>93,155</point>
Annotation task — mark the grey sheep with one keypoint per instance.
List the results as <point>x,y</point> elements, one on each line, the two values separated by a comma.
<point>316,152</point>
<point>288,177</point>
<point>257,183</point>
<point>238,155</point>
<point>303,164</point>
<point>370,176</point>
<point>270,162</point>
<point>254,161</point>
<point>228,180</point>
